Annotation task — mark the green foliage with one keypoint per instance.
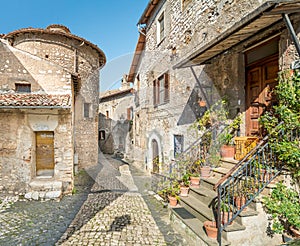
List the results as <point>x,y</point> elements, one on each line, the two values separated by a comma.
<point>185,180</point>
<point>284,206</point>
<point>217,113</point>
<point>169,188</point>
<point>288,112</point>
<point>226,137</point>
<point>74,191</point>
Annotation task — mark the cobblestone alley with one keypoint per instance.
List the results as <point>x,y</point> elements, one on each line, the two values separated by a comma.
<point>111,206</point>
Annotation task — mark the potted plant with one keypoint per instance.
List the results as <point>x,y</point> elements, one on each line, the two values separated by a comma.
<point>283,204</point>
<point>226,138</point>
<point>194,173</point>
<point>170,193</point>
<point>184,185</point>
<point>211,229</point>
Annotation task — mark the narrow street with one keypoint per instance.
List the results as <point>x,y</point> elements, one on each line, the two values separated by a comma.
<point>111,206</point>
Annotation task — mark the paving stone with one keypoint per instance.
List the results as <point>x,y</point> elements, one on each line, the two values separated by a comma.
<point>113,209</point>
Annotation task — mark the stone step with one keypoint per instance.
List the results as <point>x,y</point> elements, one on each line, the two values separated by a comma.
<point>188,224</point>
<point>209,182</point>
<point>204,194</point>
<point>228,162</point>
<point>45,185</point>
<point>196,207</point>
<point>44,188</point>
<point>219,172</point>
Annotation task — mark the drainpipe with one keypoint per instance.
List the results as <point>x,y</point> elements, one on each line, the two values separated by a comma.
<point>292,32</point>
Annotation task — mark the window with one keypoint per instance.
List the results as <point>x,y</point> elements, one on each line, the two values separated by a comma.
<point>178,145</point>
<point>107,114</point>
<point>23,88</point>
<point>160,28</point>
<point>161,90</point>
<point>86,110</point>
<point>129,113</point>
<point>102,135</point>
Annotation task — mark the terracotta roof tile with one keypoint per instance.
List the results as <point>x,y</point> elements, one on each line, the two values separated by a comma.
<point>35,100</point>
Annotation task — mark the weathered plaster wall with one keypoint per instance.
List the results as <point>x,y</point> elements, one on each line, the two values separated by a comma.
<point>65,52</point>
<point>17,147</point>
<point>17,66</point>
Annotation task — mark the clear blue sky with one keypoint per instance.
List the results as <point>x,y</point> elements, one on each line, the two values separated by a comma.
<point>111,25</point>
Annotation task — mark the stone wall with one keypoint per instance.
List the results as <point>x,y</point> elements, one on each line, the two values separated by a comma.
<point>17,66</point>
<point>117,127</point>
<point>72,55</point>
<point>187,29</point>
<point>17,147</point>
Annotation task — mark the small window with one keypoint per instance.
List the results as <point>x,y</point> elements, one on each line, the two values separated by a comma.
<point>86,110</point>
<point>178,145</point>
<point>107,114</point>
<point>102,135</point>
<point>161,90</point>
<point>23,88</point>
<point>161,28</point>
<point>129,113</point>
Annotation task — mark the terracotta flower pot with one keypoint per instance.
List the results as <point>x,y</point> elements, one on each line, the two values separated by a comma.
<point>227,151</point>
<point>202,103</point>
<point>184,190</point>
<point>211,229</point>
<point>172,201</point>
<point>205,172</point>
<point>195,181</point>
<point>225,217</point>
<point>240,201</point>
<point>295,231</point>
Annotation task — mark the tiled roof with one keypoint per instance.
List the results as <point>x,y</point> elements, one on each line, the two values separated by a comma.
<point>35,100</point>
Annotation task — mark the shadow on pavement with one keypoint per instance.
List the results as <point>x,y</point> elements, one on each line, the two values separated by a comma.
<point>105,189</point>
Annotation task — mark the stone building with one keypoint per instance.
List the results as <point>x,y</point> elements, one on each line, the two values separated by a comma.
<point>115,120</point>
<point>190,51</point>
<point>193,53</point>
<point>49,91</point>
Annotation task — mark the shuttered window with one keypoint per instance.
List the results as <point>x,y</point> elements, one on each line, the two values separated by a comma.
<point>161,90</point>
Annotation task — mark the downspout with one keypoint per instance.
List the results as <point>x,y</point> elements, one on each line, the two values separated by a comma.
<point>295,64</point>
<point>75,154</point>
<point>292,32</point>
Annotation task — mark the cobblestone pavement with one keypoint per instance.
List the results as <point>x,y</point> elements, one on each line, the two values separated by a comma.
<point>112,207</point>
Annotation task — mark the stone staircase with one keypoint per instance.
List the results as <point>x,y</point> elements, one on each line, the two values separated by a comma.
<point>44,188</point>
<point>193,210</point>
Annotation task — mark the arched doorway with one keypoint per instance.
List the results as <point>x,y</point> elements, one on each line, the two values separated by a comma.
<point>155,156</point>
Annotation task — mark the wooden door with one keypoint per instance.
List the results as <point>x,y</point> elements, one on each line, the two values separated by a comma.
<point>155,156</point>
<point>44,153</point>
<point>261,81</point>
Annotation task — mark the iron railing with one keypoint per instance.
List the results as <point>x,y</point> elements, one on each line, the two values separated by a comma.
<point>195,155</point>
<point>239,187</point>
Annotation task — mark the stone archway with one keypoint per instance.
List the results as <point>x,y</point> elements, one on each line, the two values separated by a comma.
<point>155,156</point>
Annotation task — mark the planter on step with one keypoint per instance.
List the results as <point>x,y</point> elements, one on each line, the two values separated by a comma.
<point>240,201</point>
<point>227,151</point>
<point>211,229</point>
<point>205,172</point>
<point>195,181</point>
<point>295,231</point>
<point>225,216</point>
<point>184,190</point>
<point>172,201</point>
